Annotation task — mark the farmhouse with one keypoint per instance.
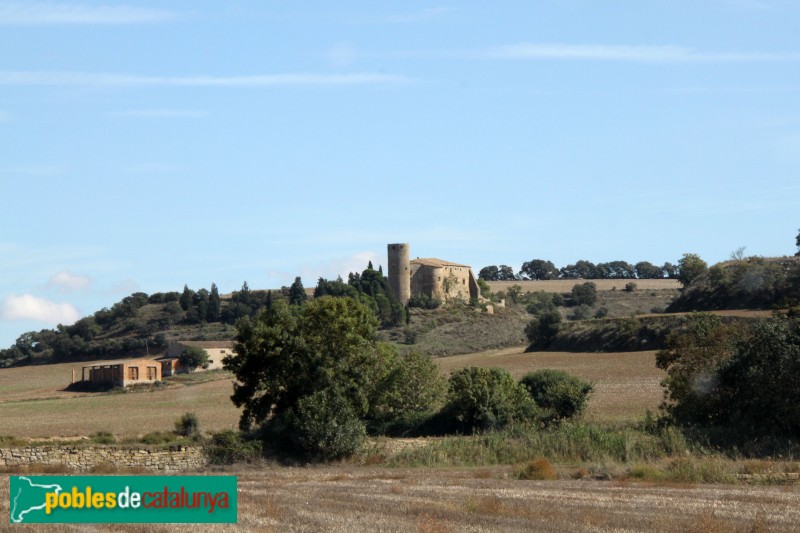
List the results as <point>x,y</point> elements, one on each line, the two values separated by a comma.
<point>215,350</point>
<point>435,278</point>
<point>121,374</point>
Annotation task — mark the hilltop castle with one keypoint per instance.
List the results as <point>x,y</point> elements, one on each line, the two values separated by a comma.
<point>434,278</point>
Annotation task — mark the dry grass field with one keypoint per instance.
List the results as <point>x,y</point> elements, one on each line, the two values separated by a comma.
<point>355,499</point>
<point>565,285</point>
<point>626,384</point>
<point>34,404</point>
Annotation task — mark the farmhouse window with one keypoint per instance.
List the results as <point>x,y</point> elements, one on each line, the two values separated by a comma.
<point>133,373</point>
<point>151,373</point>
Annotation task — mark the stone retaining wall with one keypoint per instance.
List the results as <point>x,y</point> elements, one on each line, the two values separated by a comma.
<point>85,459</point>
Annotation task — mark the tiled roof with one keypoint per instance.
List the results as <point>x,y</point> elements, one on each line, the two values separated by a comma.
<point>433,262</point>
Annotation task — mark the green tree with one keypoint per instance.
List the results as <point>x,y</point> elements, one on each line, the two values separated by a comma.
<point>297,294</point>
<point>647,270</point>
<point>289,353</point>
<point>505,273</point>
<point>488,398</point>
<point>213,314</point>
<point>325,426</point>
<point>192,357</point>
<point>514,292</point>
<point>742,380</point>
<point>759,386</point>
<point>542,330</point>
<point>537,269</point>
<point>484,289</point>
<point>797,242</point>
<point>413,385</point>
<point>489,273</point>
<point>690,266</point>
<point>200,303</point>
<point>564,395</point>
<point>580,270</point>
<point>584,293</point>
<point>188,425</point>
<point>186,298</point>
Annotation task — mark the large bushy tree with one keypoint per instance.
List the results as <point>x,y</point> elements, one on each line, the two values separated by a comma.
<point>322,356</point>
<point>537,269</point>
<point>488,398</point>
<point>690,266</point>
<point>743,381</point>
<point>193,357</point>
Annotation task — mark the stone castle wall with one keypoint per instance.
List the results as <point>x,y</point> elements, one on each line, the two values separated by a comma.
<point>85,459</point>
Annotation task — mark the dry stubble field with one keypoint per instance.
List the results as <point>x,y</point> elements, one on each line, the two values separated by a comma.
<point>565,285</point>
<point>355,499</point>
<point>364,498</point>
<point>626,383</point>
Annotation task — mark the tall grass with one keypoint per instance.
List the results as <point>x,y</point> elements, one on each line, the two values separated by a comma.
<point>568,442</point>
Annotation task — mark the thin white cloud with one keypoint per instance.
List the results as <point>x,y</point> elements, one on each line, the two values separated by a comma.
<point>626,53</point>
<point>28,307</point>
<point>83,79</point>
<point>339,266</point>
<point>342,55</point>
<point>58,13</point>
<point>126,286</point>
<point>159,113</point>
<point>68,282</point>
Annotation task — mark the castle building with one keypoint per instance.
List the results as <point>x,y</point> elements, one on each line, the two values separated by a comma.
<point>434,278</point>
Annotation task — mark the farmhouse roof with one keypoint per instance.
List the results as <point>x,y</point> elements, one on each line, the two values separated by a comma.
<point>141,361</point>
<point>433,262</point>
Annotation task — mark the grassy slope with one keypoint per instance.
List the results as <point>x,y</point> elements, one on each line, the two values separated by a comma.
<point>34,404</point>
<point>751,283</point>
<point>457,330</point>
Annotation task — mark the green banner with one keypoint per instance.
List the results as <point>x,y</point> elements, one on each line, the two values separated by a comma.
<point>122,499</point>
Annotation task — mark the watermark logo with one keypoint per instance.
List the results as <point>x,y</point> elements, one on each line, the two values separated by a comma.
<point>122,499</point>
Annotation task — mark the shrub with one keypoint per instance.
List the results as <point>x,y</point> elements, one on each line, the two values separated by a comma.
<point>563,395</point>
<point>538,469</point>
<point>158,437</point>
<point>228,447</point>
<point>188,425</point>
<point>584,293</point>
<point>542,302</point>
<point>103,437</point>
<point>542,330</point>
<point>192,357</point>
<point>630,287</point>
<point>601,312</point>
<point>414,386</point>
<point>326,427</point>
<point>741,382</point>
<point>488,398</point>
<point>423,301</point>
<point>582,312</point>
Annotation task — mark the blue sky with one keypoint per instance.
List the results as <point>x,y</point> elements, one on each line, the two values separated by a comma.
<point>148,145</point>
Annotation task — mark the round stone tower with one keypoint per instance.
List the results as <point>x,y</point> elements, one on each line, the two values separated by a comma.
<point>399,271</point>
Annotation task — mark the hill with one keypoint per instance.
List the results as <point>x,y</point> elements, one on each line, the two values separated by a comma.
<point>750,283</point>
